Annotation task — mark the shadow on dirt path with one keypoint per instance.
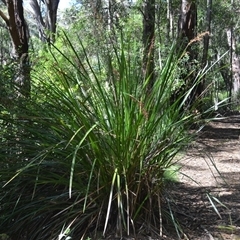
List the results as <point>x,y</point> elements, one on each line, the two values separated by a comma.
<point>211,173</point>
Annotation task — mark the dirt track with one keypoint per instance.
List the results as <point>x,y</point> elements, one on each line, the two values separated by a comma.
<point>212,166</point>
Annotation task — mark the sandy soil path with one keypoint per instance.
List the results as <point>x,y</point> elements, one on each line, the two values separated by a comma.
<point>211,170</point>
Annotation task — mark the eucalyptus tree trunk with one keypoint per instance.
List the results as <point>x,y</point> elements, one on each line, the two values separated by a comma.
<point>206,37</point>
<point>170,28</point>
<point>148,41</point>
<point>235,65</point>
<point>187,30</point>
<point>187,20</point>
<point>18,31</point>
<point>206,40</point>
<point>47,22</point>
<point>96,8</point>
<point>111,6</point>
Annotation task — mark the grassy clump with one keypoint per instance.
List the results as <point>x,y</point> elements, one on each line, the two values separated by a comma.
<point>91,150</point>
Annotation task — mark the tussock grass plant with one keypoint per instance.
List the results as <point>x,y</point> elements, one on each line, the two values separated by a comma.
<point>94,147</point>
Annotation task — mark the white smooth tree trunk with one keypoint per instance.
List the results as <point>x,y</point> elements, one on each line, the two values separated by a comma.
<point>235,64</point>
<point>170,28</point>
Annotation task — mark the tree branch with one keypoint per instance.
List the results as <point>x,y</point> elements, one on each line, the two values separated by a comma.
<point>4,17</point>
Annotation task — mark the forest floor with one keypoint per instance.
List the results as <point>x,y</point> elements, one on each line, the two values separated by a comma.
<point>211,168</point>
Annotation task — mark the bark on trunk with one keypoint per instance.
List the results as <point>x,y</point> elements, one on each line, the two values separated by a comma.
<point>148,41</point>
<point>170,28</point>
<point>19,35</point>
<point>235,65</point>
<point>187,20</point>
<point>206,37</point>
<point>206,40</point>
<point>39,19</point>
<point>51,18</point>
<point>47,27</point>
<point>187,29</point>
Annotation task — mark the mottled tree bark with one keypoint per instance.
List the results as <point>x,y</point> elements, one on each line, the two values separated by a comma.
<point>47,27</point>
<point>235,65</point>
<point>187,20</point>
<point>18,31</point>
<point>206,40</point>
<point>206,37</point>
<point>170,17</point>
<point>187,30</point>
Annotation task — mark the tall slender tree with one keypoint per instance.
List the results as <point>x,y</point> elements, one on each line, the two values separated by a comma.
<point>206,37</point>
<point>187,30</point>
<point>234,63</point>
<point>206,40</point>
<point>170,23</point>
<point>188,20</point>
<point>234,60</point>
<point>148,40</point>
<point>18,32</point>
<point>47,26</point>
